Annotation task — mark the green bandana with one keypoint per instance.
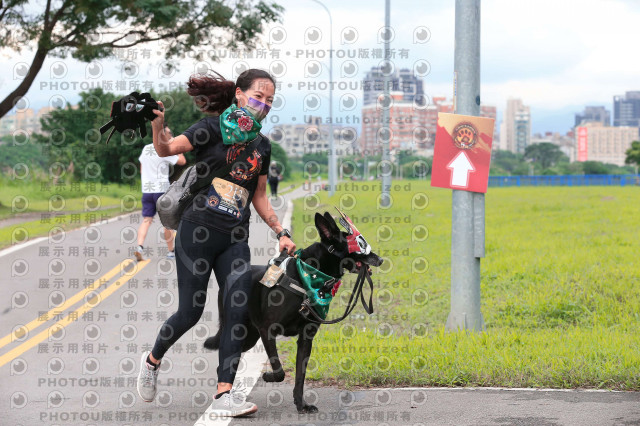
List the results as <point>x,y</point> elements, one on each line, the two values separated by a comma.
<point>313,280</point>
<point>238,126</point>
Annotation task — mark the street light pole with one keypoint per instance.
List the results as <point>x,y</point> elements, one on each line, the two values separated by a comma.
<point>332,153</point>
<point>385,198</point>
<point>467,221</point>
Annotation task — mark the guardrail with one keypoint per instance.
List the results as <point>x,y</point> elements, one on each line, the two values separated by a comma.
<point>564,180</point>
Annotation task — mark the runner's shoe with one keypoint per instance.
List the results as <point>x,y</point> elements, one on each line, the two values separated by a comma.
<point>147,379</point>
<point>138,253</point>
<point>231,404</point>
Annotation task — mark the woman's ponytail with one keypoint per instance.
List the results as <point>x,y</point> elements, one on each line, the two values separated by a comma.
<point>210,93</point>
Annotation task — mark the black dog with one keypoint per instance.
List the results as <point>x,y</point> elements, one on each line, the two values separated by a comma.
<point>274,311</point>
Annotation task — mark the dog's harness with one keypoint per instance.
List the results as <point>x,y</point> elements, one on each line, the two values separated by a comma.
<point>318,289</point>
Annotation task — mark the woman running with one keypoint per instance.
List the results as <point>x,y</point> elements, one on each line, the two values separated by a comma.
<point>213,232</point>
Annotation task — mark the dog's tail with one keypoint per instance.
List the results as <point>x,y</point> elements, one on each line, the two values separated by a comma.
<point>213,342</point>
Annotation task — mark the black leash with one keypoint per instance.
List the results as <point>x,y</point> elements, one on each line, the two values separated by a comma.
<point>306,310</point>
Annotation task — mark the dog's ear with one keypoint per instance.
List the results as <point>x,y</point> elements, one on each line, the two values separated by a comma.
<point>324,229</point>
<point>332,223</point>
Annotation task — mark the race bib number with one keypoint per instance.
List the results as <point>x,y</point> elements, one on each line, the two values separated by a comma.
<point>227,197</point>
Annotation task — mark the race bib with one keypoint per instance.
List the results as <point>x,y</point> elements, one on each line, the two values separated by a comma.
<point>227,197</point>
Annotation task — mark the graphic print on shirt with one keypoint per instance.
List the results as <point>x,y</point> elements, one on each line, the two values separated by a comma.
<point>227,197</point>
<point>239,172</point>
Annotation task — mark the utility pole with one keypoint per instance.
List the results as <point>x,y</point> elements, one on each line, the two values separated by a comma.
<point>385,199</point>
<point>467,226</point>
<point>332,152</point>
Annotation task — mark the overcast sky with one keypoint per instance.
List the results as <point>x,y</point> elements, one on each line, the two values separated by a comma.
<point>557,56</point>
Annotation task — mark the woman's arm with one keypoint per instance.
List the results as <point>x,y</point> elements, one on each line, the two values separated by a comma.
<point>164,145</point>
<point>263,208</point>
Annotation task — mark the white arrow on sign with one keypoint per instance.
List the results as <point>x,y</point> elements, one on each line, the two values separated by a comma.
<point>460,168</point>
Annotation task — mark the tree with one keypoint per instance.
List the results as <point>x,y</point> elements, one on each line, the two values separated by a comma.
<point>546,154</point>
<point>594,168</point>
<point>87,29</point>
<point>633,154</point>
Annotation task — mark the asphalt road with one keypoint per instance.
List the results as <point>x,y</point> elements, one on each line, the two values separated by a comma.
<point>76,313</point>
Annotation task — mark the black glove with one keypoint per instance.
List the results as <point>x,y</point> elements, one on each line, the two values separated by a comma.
<point>130,112</point>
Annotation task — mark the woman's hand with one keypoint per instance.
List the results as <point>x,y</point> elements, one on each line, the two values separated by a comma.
<point>286,243</point>
<point>157,124</point>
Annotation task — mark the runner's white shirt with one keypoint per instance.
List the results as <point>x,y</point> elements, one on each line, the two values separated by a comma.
<point>155,170</point>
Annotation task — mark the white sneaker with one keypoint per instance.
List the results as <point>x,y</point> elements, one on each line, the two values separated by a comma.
<point>171,255</point>
<point>147,379</point>
<point>232,404</point>
<point>138,253</point>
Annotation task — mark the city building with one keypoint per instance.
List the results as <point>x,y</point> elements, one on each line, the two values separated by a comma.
<point>565,142</point>
<point>407,125</point>
<point>608,144</point>
<point>626,109</point>
<point>312,136</point>
<point>26,120</point>
<point>594,113</point>
<point>412,126</point>
<point>400,81</point>
<point>515,130</point>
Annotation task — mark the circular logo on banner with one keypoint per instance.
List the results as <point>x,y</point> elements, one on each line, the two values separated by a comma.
<point>465,135</point>
<point>213,201</point>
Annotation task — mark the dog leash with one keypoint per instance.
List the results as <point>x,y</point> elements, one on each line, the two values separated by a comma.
<point>306,309</point>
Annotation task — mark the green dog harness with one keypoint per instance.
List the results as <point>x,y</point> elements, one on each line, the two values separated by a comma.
<point>315,283</point>
<point>316,287</point>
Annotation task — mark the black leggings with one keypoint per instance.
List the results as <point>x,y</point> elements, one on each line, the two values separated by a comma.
<point>274,187</point>
<point>198,250</point>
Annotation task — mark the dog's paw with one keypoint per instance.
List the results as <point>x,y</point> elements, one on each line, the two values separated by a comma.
<point>307,409</point>
<point>273,377</point>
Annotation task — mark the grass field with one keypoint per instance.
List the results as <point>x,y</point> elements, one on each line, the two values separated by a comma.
<point>560,292</point>
<point>59,203</point>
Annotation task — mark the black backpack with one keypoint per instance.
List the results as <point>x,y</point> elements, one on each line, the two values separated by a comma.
<point>130,113</point>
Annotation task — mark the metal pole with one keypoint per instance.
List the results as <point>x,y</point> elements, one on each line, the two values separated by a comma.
<point>332,154</point>
<point>385,199</point>
<point>467,226</point>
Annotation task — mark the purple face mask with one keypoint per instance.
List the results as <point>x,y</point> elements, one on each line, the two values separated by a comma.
<point>258,109</point>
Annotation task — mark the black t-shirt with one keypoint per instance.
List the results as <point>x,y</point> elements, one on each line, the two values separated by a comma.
<point>224,205</point>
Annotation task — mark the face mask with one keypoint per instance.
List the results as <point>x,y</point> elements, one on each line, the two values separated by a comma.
<point>238,126</point>
<point>256,108</point>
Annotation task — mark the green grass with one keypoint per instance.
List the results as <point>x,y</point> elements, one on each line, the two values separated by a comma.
<point>560,293</point>
<point>60,202</point>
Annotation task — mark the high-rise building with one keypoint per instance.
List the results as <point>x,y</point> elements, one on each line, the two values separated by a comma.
<point>515,130</point>
<point>594,113</point>
<point>608,144</point>
<point>626,109</point>
<point>400,81</point>
<point>406,125</point>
